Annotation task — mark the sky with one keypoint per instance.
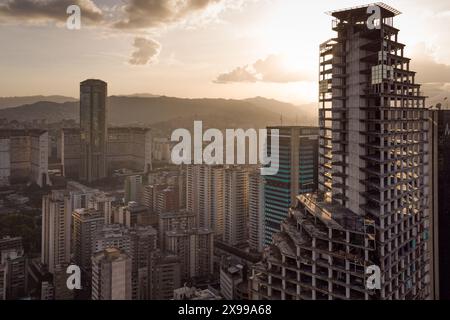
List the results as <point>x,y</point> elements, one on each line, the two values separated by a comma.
<point>195,48</point>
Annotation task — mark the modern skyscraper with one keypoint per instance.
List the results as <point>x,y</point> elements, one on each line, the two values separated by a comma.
<point>56,230</point>
<point>440,129</point>
<point>111,275</point>
<point>236,206</point>
<point>256,211</point>
<point>297,174</point>
<point>93,124</point>
<point>371,211</point>
<point>205,197</point>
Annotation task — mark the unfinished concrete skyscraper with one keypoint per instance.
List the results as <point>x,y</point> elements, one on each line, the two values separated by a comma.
<point>371,209</point>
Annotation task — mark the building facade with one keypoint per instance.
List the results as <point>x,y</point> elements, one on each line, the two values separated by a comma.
<point>111,275</point>
<point>236,206</point>
<point>56,230</point>
<point>93,126</point>
<point>256,211</point>
<point>24,157</point>
<point>126,148</point>
<point>205,195</point>
<point>440,129</point>
<point>297,174</point>
<point>371,211</point>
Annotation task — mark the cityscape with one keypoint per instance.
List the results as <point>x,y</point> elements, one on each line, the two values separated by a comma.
<point>113,196</point>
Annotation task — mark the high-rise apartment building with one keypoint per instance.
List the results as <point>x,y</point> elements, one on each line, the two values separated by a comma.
<point>13,269</point>
<point>86,224</point>
<point>236,206</point>
<point>178,220</point>
<point>56,230</point>
<point>195,249</point>
<point>256,211</point>
<point>111,275</point>
<point>371,212</point>
<point>93,124</point>
<point>297,174</point>
<point>164,275</point>
<point>205,195</point>
<point>440,129</point>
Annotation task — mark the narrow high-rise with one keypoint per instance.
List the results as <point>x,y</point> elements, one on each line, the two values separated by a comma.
<point>93,125</point>
<point>371,210</point>
<point>256,211</point>
<point>205,197</point>
<point>56,230</point>
<point>236,206</point>
<point>440,128</point>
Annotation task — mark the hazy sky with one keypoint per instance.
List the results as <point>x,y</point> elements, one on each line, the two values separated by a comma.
<point>195,48</point>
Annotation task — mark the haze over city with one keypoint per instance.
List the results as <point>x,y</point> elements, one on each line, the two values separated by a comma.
<point>195,49</point>
<point>224,152</point>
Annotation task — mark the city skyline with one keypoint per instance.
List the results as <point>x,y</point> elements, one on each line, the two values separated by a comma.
<point>111,198</point>
<point>189,50</point>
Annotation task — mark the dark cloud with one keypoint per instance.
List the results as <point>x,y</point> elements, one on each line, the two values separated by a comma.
<point>146,51</point>
<point>141,14</point>
<point>43,10</point>
<point>271,69</point>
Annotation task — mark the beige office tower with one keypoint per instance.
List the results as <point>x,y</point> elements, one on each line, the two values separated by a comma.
<point>93,125</point>
<point>236,206</point>
<point>256,211</point>
<point>205,195</point>
<point>370,213</point>
<point>24,157</point>
<point>56,230</point>
<point>195,249</point>
<point>111,275</point>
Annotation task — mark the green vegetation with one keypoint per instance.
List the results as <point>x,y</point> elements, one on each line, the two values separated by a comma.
<point>25,225</point>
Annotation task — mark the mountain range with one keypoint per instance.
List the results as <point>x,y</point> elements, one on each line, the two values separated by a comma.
<point>169,112</point>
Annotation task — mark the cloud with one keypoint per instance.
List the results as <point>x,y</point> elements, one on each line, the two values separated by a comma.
<point>240,74</point>
<point>427,68</point>
<point>29,11</point>
<point>142,14</point>
<point>146,51</point>
<point>273,69</point>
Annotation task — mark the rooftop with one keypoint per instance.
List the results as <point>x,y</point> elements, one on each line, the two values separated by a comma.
<point>361,11</point>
